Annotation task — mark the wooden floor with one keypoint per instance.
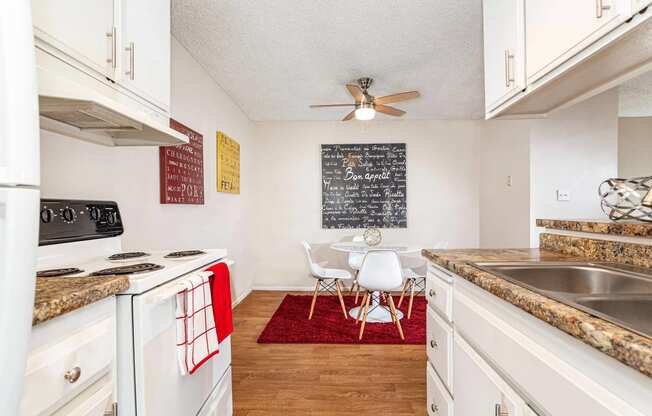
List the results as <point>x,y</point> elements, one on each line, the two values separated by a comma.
<point>320,380</point>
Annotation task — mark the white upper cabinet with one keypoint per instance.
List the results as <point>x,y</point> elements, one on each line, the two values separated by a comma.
<point>504,55</point>
<point>81,29</point>
<point>558,29</point>
<point>146,50</point>
<point>542,56</point>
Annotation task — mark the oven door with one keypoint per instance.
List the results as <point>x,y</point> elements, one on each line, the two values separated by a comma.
<point>160,389</point>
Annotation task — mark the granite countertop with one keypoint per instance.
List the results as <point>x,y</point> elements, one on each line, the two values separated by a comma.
<point>626,346</point>
<point>58,295</point>
<point>624,228</point>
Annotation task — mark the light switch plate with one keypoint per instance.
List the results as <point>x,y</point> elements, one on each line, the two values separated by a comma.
<point>563,195</point>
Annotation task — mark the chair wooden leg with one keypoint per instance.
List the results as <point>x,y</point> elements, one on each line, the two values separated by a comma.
<point>314,299</point>
<point>361,307</point>
<point>409,315</point>
<point>339,295</point>
<point>390,309</point>
<point>364,318</point>
<point>355,282</point>
<point>405,286</point>
<point>357,291</point>
<point>397,321</point>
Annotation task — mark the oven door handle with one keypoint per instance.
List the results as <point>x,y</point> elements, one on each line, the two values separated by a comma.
<point>170,290</point>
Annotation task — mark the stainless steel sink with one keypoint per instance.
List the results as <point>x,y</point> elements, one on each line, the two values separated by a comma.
<point>617,295</point>
<point>577,278</point>
<point>635,311</point>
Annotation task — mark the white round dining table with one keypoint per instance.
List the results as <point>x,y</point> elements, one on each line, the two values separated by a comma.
<point>378,313</point>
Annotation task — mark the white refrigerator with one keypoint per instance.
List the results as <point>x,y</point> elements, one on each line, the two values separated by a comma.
<point>19,195</point>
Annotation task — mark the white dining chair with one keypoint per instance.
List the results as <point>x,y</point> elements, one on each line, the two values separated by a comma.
<point>415,276</point>
<point>355,262</point>
<point>415,280</point>
<point>380,272</point>
<point>327,280</point>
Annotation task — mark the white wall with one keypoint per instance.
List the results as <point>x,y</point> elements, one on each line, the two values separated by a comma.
<point>75,169</point>
<point>504,151</point>
<point>634,147</point>
<point>442,188</point>
<point>574,149</point>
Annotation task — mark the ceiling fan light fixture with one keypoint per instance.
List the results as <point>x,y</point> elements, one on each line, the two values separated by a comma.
<point>365,112</point>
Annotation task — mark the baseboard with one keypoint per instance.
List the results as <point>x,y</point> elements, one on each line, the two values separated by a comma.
<point>286,288</point>
<point>241,298</point>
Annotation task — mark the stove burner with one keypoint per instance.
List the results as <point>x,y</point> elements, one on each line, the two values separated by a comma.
<point>129,269</point>
<point>186,253</point>
<point>58,272</point>
<point>127,256</point>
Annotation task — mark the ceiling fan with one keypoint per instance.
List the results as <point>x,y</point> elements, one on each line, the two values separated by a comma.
<point>366,105</point>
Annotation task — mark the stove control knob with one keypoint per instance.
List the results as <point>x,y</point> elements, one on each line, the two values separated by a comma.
<point>112,218</point>
<point>47,215</point>
<point>69,215</point>
<point>95,213</point>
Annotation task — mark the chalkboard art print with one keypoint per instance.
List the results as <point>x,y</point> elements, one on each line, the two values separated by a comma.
<point>364,185</point>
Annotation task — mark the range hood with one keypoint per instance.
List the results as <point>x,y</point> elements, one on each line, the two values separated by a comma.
<point>79,111</point>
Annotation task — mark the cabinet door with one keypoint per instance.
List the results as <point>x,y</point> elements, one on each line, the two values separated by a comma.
<point>504,63</point>
<point>479,390</point>
<point>146,50</point>
<point>80,29</point>
<point>556,30</point>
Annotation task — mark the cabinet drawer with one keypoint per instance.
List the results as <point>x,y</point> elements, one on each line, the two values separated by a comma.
<point>440,347</point>
<point>440,272</point>
<point>439,295</point>
<point>439,402</point>
<point>46,386</point>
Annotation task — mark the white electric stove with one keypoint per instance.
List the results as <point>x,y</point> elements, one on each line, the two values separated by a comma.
<point>83,238</point>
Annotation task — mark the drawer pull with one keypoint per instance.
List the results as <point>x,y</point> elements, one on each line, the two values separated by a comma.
<point>72,375</point>
<point>600,7</point>
<point>433,344</point>
<point>432,293</point>
<point>499,411</point>
<point>434,408</point>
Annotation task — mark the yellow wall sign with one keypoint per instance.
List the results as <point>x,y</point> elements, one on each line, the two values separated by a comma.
<point>228,164</point>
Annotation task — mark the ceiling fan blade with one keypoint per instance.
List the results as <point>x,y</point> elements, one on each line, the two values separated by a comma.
<point>331,105</point>
<point>385,109</point>
<point>349,116</point>
<point>394,98</point>
<point>356,92</point>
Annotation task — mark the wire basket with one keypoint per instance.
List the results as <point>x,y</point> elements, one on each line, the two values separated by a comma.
<point>627,199</point>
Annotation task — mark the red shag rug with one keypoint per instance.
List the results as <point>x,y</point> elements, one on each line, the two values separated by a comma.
<point>290,324</point>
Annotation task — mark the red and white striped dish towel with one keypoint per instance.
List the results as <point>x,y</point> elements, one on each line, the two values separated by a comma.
<point>196,333</point>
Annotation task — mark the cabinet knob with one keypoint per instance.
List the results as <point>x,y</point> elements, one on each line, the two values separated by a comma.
<point>432,293</point>
<point>434,408</point>
<point>433,344</point>
<point>72,375</point>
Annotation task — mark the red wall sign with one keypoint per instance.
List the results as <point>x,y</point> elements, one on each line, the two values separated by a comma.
<point>182,169</point>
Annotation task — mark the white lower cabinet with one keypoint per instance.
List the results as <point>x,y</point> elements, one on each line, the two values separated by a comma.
<point>440,402</point>
<point>71,364</point>
<point>440,347</point>
<point>94,401</point>
<point>502,361</point>
<point>479,390</point>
